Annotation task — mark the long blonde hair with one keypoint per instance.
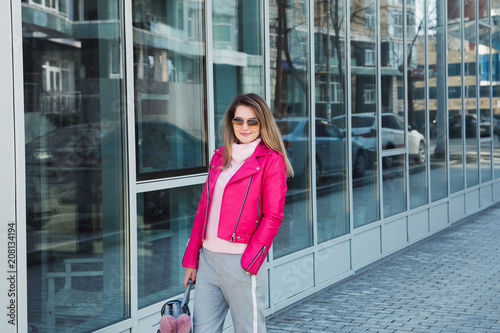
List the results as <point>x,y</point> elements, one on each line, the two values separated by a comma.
<point>269,131</point>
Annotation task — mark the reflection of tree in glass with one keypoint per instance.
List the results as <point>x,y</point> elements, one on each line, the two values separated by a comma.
<point>283,48</point>
<point>411,79</point>
<point>332,19</point>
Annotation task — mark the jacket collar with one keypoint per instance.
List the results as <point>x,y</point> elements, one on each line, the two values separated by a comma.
<point>260,150</point>
<point>251,165</point>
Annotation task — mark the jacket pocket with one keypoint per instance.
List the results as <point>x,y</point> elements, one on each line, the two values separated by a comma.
<point>258,259</point>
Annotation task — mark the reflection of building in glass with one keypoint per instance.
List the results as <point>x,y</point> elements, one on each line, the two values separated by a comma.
<point>169,62</point>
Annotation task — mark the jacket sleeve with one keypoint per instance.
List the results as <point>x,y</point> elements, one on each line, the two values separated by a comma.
<point>194,243</point>
<point>273,202</point>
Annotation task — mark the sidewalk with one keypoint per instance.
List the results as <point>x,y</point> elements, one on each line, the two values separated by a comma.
<point>449,283</point>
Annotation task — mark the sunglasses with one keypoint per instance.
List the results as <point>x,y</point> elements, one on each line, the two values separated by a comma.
<point>252,123</point>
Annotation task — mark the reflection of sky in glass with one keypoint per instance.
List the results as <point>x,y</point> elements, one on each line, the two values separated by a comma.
<point>419,13</point>
<point>431,16</point>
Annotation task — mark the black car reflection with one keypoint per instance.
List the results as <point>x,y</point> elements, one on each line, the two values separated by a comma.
<point>162,146</point>
<point>75,146</point>
<point>455,126</point>
<point>330,147</point>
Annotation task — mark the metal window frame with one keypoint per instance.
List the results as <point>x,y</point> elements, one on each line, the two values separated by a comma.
<point>15,206</point>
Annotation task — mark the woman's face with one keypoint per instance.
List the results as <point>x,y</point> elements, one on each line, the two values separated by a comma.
<point>245,133</point>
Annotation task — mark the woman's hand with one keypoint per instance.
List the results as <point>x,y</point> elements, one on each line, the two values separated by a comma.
<point>189,273</point>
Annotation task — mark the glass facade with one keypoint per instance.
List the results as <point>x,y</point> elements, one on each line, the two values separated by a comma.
<point>389,111</point>
<point>76,175</point>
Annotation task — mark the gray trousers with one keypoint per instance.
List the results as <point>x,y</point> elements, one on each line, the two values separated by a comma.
<point>222,285</point>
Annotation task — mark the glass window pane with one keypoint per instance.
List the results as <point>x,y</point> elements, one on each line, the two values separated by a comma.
<point>364,107</point>
<point>484,9</point>
<point>485,121</point>
<point>486,162</point>
<point>169,82</point>
<point>75,134</point>
<point>495,6</point>
<point>416,104</point>
<point>331,144</point>
<point>455,114</point>
<point>238,46</point>
<point>392,91</point>
<point>496,147</point>
<point>471,115</point>
<point>394,186</point>
<point>495,51</point>
<point>437,99</point>
<point>164,222</point>
<point>393,110</point>
<point>289,88</point>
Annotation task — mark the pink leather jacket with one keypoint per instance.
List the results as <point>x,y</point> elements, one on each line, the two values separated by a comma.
<point>252,207</point>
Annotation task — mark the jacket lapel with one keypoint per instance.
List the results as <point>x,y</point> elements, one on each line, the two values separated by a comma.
<point>250,167</point>
<point>215,170</point>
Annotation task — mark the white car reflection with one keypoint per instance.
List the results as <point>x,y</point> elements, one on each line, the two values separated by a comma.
<point>364,129</point>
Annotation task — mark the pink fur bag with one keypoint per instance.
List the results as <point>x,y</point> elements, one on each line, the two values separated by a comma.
<point>175,315</point>
<point>168,324</point>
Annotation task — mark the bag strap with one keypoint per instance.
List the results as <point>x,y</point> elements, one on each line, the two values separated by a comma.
<point>185,299</point>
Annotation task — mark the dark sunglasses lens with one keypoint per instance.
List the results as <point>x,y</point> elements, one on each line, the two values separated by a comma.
<point>238,121</point>
<point>252,122</point>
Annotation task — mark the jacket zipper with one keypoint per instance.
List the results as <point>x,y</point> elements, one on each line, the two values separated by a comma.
<point>208,203</point>
<point>257,256</point>
<point>258,209</point>
<point>241,210</point>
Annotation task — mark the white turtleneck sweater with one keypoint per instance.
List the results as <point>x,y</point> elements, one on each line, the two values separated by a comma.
<point>240,153</point>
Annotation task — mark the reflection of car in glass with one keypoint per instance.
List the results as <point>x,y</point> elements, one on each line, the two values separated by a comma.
<point>455,126</point>
<point>162,146</point>
<point>65,169</point>
<point>330,147</point>
<point>364,129</point>
<point>76,146</point>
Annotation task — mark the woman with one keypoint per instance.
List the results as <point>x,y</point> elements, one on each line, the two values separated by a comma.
<point>238,216</point>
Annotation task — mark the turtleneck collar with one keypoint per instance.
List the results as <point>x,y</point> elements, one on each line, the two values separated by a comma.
<point>240,152</point>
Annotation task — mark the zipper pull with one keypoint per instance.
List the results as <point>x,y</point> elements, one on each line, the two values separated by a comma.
<point>232,238</point>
